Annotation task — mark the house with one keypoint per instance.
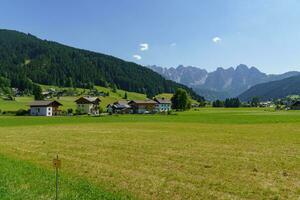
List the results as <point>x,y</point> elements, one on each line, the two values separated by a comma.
<point>45,108</point>
<point>295,105</point>
<point>266,104</point>
<point>88,105</point>
<point>119,107</point>
<point>163,104</point>
<point>143,106</point>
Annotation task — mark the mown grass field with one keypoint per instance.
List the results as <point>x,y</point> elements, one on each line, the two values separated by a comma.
<point>205,154</point>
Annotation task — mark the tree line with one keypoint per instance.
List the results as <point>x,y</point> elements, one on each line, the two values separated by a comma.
<point>228,103</point>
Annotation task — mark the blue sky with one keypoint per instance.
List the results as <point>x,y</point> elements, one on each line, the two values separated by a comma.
<point>207,34</point>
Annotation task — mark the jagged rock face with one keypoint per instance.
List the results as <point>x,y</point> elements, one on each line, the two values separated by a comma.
<point>232,81</point>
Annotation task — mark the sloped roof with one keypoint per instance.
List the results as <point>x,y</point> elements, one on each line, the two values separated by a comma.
<point>88,99</point>
<point>121,102</point>
<point>163,100</point>
<point>121,106</point>
<point>297,103</point>
<point>44,103</point>
<point>143,101</point>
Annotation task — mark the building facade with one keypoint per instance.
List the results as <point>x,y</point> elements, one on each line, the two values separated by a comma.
<point>163,104</point>
<point>45,108</point>
<point>119,107</point>
<point>88,105</point>
<point>143,106</point>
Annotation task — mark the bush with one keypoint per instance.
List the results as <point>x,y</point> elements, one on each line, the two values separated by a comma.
<point>70,111</point>
<point>22,112</point>
<point>101,110</point>
<point>218,104</point>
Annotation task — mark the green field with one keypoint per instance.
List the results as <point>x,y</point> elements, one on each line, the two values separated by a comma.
<point>205,154</point>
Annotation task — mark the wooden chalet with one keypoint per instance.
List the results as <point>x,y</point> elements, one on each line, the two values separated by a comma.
<point>88,105</point>
<point>143,106</point>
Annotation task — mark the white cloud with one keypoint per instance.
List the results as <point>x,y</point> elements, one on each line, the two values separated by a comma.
<point>144,46</point>
<point>137,57</point>
<point>216,40</point>
<point>173,44</point>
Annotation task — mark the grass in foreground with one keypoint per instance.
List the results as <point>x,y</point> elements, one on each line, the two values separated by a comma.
<point>209,154</point>
<point>23,180</point>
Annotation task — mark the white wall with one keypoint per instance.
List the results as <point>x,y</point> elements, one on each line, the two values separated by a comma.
<point>164,107</point>
<point>41,111</point>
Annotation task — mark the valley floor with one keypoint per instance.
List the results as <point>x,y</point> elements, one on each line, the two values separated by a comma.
<point>204,154</point>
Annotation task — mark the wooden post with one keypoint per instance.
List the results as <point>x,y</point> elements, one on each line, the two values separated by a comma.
<point>56,165</point>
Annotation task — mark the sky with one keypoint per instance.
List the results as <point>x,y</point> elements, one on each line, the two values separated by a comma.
<point>202,33</point>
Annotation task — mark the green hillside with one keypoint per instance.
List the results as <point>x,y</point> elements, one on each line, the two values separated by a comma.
<point>68,101</point>
<point>26,59</point>
<point>273,90</point>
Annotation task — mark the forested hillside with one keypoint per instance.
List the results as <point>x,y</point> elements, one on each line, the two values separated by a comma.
<point>273,90</point>
<point>25,59</point>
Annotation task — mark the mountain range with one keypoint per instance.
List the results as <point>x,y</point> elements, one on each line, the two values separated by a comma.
<point>221,83</point>
<point>26,60</point>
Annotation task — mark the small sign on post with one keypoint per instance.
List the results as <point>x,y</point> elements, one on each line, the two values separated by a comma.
<point>56,165</point>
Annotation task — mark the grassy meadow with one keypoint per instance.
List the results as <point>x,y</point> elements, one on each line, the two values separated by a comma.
<point>201,154</point>
<point>68,101</point>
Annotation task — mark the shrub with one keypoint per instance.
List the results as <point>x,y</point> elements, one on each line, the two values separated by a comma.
<point>22,112</point>
<point>70,111</point>
<point>101,110</point>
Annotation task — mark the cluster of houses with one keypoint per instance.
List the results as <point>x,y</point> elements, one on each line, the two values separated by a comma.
<point>91,106</point>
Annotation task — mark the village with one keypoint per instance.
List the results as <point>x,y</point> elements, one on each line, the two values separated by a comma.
<point>91,106</point>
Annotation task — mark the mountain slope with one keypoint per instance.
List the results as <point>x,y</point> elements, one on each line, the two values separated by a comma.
<point>220,83</point>
<point>273,90</point>
<point>24,57</point>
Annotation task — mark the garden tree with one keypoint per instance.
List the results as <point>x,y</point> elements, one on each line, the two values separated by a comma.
<point>232,103</point>
<point>25,59</point>
<point>218,103</point>
<point>5,86</point>
<point>125,96</point>
<point>255,102</point>
<point>37,92</point>
<point>69,111</point>
<point>101,110</point>
<point>114,88</point>
<point>180,100</point>
<point>69,82</point>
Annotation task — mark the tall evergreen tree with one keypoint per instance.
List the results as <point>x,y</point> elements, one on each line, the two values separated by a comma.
<point>37,92</point>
